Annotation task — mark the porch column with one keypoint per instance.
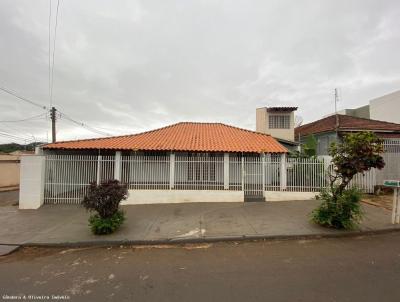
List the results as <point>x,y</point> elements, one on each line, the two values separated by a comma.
<point>32,178</point>
<point>283,173</point>
<point>98,178</point>
<point>171,170</point>
<point>242,173</point>
<point>226,171</point>
<point>263,171</point>
<point>117,165</point>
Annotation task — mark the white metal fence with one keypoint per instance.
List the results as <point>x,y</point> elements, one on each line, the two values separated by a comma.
<point>67,177</point>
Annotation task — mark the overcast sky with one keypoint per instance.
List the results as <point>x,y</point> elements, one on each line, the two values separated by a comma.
<point>130,66</point>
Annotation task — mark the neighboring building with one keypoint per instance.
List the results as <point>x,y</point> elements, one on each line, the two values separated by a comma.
<point>385,108</point>
<point>9,171</point>
<point>276,121</point>
<point>325,132</point>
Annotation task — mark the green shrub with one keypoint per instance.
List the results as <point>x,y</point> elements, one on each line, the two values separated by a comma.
<point>342,213</point>
<point>105,199</point>
<point>104,226</point>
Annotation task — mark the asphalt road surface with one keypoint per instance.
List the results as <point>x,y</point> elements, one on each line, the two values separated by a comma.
<point>347,269</point>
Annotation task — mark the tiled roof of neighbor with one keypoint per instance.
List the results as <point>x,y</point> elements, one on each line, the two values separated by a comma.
<point>186,136</point>
<point>346,122</point>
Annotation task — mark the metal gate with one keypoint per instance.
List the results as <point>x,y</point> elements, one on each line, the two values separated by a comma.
<point>253,178</point>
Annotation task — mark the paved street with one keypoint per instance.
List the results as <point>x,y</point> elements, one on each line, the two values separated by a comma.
<point>346,269</point>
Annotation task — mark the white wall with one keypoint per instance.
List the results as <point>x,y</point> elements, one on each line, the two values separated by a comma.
<point>386,108</point>
<point>288,196</point>
<point>182,196</point>
<point>31,194</point>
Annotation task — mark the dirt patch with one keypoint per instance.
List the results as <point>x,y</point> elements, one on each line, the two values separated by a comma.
<point>383,201</point>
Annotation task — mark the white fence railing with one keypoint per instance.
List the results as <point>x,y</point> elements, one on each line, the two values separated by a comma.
<point>67,177</point>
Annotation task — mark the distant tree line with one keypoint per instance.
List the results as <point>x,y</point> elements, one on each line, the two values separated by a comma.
<point>11,147</point>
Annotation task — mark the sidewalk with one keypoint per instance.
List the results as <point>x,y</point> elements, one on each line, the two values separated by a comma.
<point>166,223</point>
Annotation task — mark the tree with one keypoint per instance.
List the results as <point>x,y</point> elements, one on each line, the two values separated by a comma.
<point>340,206</point>
<point>358,153</point>
<point>310,147</point>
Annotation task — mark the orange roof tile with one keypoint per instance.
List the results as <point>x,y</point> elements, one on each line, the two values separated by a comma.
<point>346,123</point>
<point>191,137</point>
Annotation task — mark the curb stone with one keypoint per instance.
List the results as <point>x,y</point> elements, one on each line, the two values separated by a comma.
<point>181,241</point>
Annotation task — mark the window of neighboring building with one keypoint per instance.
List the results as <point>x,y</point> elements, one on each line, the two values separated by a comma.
<point>279,121</point>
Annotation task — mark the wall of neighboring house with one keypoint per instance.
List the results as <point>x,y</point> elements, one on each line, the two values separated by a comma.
<point>9,171</point>
<point>324,140</point>
<point>262,124</point>
<point>386,108</point>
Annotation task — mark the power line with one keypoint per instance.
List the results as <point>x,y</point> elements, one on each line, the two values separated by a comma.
<point>8,135</point>
<point>54,53</point>
<point>86,126</point>
<point>67,117</point>
<point>22,98</point>
<point>25,119</point>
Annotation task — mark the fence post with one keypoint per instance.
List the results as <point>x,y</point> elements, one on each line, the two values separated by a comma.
<point>242,173</point>
<point>226,171</point>
<point>98,169</point>
<point>171,170</point>
<point>117,165</point>
<point>263,171</point>
<point>283,173</point>
<point>32,179</point>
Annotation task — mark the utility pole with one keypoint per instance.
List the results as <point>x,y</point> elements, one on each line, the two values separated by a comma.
<point>53,111</point>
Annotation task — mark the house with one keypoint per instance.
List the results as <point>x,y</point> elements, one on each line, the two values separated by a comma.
<point>384,108</point>
<point>183,162</point>
<point>279,123</point>
<point>333,128</point>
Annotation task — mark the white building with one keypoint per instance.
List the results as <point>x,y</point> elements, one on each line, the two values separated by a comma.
<point>385,108</point>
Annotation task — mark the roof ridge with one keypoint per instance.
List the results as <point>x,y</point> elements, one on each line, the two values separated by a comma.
<point>369,119</point>
<point>158,129</point>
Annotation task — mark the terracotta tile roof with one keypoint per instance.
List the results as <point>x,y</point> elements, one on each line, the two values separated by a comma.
<point>346,122</point>
<point>192,137</point>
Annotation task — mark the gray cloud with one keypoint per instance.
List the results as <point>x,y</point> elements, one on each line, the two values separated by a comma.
<point>128,66</point>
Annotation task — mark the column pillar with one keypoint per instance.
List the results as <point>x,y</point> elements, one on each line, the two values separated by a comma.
<point>117,165</point>
<point>99,158</point>
<point>283,173</point>
<point>226,171</point>
<point>32,178</point>
<point>171,170</point>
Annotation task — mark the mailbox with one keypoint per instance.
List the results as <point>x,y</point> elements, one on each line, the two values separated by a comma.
<point>395,184</point>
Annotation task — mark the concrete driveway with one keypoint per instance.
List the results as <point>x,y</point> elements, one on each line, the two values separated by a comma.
<point>146,224</point>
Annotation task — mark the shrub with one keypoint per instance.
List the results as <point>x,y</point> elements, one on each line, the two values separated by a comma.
<point>103,226</point>
<point>105,199</point>
<point>343,213</point>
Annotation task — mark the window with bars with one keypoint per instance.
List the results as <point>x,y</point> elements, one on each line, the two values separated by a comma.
<point>201,167</point>
<point>279,121</point>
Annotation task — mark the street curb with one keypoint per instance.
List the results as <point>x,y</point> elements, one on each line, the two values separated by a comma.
<point>182,241</point>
